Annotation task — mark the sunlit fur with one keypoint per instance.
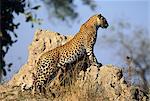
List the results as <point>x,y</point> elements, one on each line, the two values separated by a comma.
<point>83,42</point>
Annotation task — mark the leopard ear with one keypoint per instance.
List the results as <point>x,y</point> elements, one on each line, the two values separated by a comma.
<point>99,16</point>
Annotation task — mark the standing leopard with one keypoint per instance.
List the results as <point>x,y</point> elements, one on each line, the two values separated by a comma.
<point>53,60</point>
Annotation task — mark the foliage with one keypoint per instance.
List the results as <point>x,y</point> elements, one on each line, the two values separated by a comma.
<point>64,9</point>
<point>60,9</point>
<point>9,10</point>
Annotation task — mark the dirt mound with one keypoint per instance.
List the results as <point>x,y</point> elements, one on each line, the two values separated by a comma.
<point>81,82</point>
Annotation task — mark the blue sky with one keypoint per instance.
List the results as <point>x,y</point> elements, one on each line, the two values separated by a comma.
<point>135,11</point>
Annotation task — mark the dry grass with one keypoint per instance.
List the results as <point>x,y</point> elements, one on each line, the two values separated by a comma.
<point>69,85</point>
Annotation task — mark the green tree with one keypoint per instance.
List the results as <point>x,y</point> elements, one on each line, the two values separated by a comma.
<point>61,9</point>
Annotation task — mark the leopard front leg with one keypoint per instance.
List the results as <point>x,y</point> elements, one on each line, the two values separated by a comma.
<point>92,58</point>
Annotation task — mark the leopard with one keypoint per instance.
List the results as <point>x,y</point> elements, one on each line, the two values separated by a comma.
<point>82,43</point>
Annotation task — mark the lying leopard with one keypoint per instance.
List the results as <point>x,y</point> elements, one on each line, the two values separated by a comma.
<point>53,60</point>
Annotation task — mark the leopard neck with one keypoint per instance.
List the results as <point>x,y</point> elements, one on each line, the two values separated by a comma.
<point>88,28</point>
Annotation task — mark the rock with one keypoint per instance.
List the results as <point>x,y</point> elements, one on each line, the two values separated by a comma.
<point>43,41</point>
<point>81,82</point>
<point>104,83</point>
<point>108,81</point>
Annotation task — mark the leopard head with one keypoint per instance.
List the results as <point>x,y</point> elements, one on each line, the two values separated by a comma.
<point>95,21</point>
<point>101,21</point>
